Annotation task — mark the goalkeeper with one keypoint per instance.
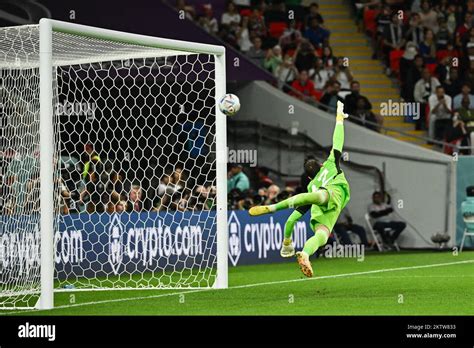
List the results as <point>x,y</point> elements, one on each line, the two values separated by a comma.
<point>328,194</point>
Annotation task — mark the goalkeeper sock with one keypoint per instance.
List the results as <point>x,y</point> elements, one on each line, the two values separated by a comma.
<point>290,223</point>
<point>287,241</point>
<point>319,197</point>
<point>319,239</point>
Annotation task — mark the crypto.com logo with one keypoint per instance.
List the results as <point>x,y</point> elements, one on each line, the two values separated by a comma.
<point>116,232</point>
<point>235,245</point>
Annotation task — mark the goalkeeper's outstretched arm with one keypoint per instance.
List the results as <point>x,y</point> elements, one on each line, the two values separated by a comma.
<point>338,135</point>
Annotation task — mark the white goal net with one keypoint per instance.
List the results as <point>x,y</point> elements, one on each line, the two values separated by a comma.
<point>134,199</point>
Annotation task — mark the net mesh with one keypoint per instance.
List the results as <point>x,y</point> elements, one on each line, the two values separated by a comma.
<point>134,181</point>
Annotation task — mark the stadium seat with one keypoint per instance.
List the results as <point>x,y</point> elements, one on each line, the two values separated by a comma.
<point>370,24</point>
<point>431,67</point>
<point>395,57</point>
<point>468,232</point>
<point>276,29</point>
<point>245,12</point>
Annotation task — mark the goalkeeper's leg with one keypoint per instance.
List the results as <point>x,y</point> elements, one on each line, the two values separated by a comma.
<point>287,248</point>
<point>320,238</point>
<point>319,197</point>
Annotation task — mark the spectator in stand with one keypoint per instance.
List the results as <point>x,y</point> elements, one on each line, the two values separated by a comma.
<point>231,15</point>
<point>272,193</point>
<point>313,13</point>
<point>451,20</point>
<point>242,3</point>
<point>263,178</point>
<point>344,225</point>
<point>425,87</point>
<point>305,86</point>
<point>286,72</point>
<point>276,12</point>
<point>321,75</point>
<point>273,60</point>
<point>464,27</point>
<point>237,179</point>
<point>257,24</point>
<point>94,192</point>
<point>442,69</point>
<point>466,115</point>
<point>427,47</point>
<point>381,212</point>
<point>350,101</point>
<point>441,8</point>
<point>135,198</point>
<point>167,186</point>
<point>90,157</point>
<point>187,10</point>
<point>444,36</point>
<point>453,84</point>
<point>465,93</point>
<point>331,96</point>
<point>428,16</point>
<point>383,21</point>
<point>468,45</point>
<point>178,178</point>
<point>328,58</point>
<point>243,35</point>
<point>256,53</point>
<point>415,32</point>
<point>363,113</point>
<point>411,65</point>
<point>393,39</point>
<point>208,21</point>
<point>343,74</point>
<point>291,37</point>
<point>440,113</point>
<point>458,130</point>
<point>115,187</point>
<point>316,34</point>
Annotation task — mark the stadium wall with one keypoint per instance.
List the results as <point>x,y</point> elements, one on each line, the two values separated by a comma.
<point>422,182</point>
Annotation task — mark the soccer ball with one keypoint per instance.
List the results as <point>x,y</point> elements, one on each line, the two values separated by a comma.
<point>229,104</point>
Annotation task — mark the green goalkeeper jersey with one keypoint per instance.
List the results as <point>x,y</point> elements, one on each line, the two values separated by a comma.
<point>331,174</point>
<point>331,178</point>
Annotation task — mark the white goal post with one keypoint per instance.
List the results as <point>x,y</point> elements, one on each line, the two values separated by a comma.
<point>126,150</point>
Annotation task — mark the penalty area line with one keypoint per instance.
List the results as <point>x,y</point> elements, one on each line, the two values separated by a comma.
<point>333,276</point>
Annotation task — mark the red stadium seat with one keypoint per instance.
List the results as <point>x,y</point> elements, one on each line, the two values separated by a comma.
<point>276,29</point>
<point>431,67</point>
<point>395,56</point>
<point>245,12</point>
<point>370,24</point>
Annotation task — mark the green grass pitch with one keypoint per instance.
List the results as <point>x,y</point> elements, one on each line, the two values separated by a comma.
<point>405,283</point>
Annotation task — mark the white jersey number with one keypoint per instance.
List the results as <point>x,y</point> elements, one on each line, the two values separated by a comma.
<point>323,177</point>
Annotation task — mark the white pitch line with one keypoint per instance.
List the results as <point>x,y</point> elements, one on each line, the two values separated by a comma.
<point>92,303</point>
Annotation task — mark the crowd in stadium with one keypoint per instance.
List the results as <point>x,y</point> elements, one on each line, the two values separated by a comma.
<point>427,48</point>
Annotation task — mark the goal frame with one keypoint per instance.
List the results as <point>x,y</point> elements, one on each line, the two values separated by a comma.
<point>46,28</point>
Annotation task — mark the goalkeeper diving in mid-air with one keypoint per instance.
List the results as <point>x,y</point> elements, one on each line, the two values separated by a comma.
<point>328,194</point>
